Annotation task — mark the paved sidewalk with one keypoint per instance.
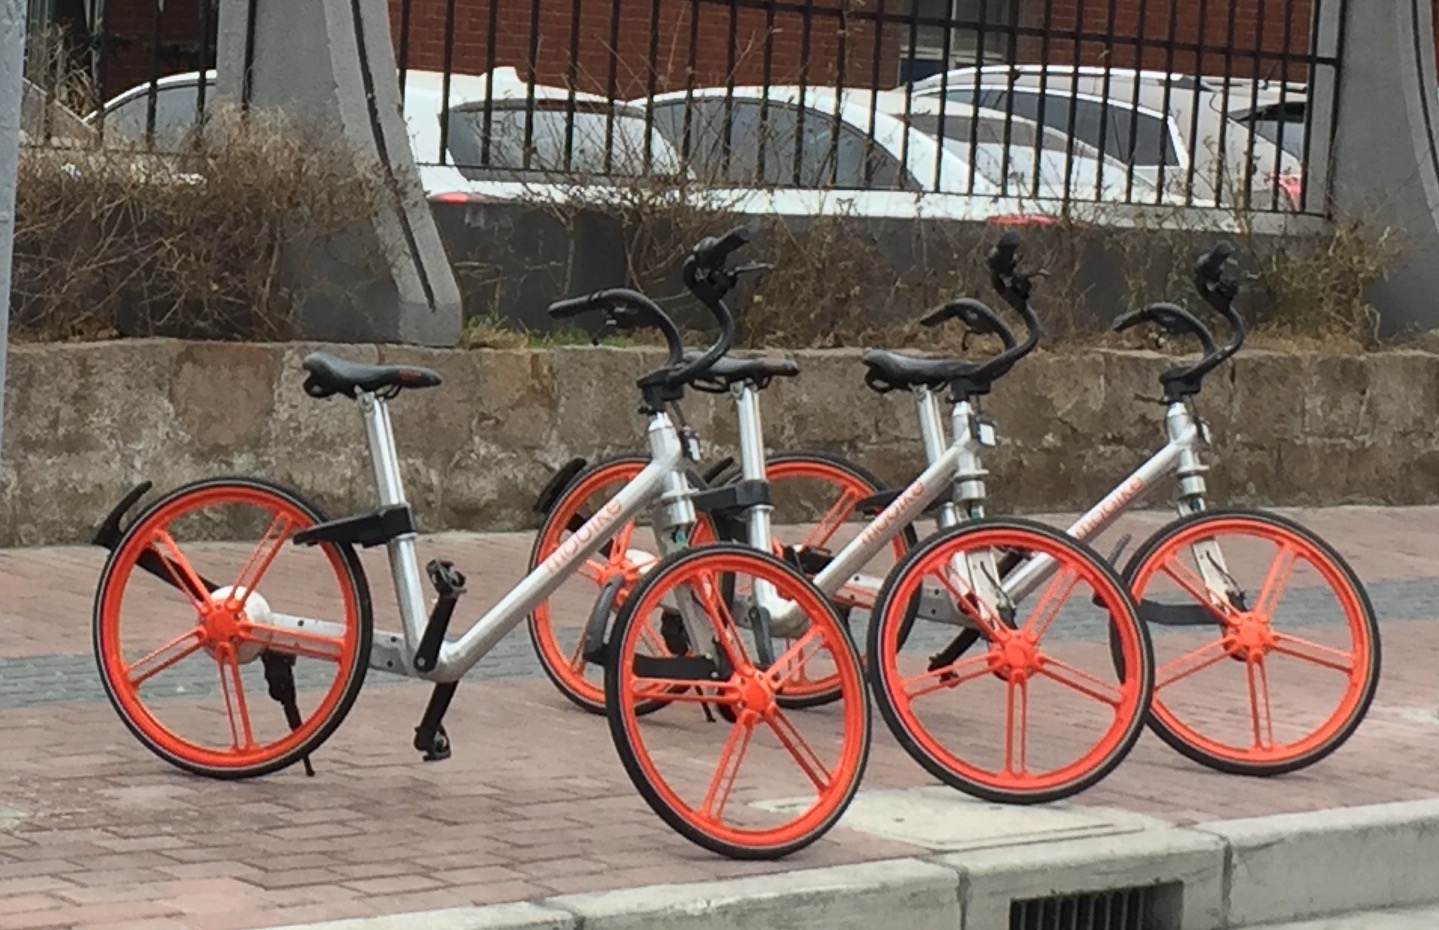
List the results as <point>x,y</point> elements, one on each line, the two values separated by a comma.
<point>1426,918</point>
<point>97,832</point>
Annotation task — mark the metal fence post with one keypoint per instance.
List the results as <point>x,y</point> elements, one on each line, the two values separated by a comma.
<point>13,16</point>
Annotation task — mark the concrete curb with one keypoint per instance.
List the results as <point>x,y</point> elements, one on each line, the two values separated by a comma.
<point>1213,876</point>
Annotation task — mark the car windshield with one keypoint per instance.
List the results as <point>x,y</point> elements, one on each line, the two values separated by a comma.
<point>595,141</point>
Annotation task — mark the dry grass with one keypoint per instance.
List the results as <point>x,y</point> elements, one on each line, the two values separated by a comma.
<point>204,246</point>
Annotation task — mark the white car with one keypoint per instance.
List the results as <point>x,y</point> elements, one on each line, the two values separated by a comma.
<point>775,150</point>
<point>1188,134</point>
<point>1028,159</point>
<point>447,122</point>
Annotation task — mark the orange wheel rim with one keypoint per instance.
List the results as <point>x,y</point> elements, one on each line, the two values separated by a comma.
<point>753,707</point>
<point>213,633</point>
<point>854,489</point>
<point>1017,658</point>
<point>569,664</point>
<point>1237,634</point>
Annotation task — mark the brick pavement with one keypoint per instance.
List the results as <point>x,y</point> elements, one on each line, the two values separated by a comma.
<point>94,831</point>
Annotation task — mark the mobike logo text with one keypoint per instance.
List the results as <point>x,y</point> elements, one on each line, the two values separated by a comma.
<point>586,534</point>
<point>880,528</point>
<point>1106,509</point>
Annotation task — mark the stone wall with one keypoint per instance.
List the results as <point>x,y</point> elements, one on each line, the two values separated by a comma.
<point>88,421</point>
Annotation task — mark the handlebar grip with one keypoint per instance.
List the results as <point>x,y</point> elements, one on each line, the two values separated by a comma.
<point>577,306</point>
<point>1209,265</point>
<point>1173,319</point>
<point>711,252</point>
<point>1004,257</point>
<point>979,318</point>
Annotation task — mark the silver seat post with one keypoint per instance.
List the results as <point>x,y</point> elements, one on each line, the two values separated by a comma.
<point>404,563</point>
<point>752,460</point>
<point>931,431</point>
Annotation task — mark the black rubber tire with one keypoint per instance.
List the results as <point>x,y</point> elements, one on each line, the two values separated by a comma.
<point>1231,766</point>
<point>354,577</point>
<point>629,757</point>
<point>880,691</point>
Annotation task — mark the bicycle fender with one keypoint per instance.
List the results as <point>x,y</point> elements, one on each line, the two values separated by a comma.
<point>559,482</point>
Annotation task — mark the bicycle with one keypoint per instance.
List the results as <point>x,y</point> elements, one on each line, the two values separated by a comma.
<point>962,555</point>
<point>231,627</point>
<point>1247,635</point>
<point>578,488</point>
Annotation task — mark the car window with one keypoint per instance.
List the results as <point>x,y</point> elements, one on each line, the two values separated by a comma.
<point>1282,124</point>
<point>774,144</point>
<point>175,112</point>
<point>1111,128</point>
<point>592,141</point>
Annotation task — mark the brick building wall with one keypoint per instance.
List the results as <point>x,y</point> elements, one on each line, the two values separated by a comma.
<point>629,43</point>
<point>837,37</point>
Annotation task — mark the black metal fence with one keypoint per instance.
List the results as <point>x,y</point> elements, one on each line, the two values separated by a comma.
<point>949,107</point>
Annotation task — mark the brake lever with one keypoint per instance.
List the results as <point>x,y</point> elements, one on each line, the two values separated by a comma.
<point>753,267</point>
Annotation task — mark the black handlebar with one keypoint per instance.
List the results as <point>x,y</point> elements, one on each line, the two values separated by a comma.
<point>707,277</point>
<point>1219,292</point>
<point>625,309</point>
<point>711,253</point>
<point>977,318</point>
<point>1014,286</point>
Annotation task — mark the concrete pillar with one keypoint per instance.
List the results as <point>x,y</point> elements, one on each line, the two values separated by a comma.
<point>1384,163</point>
<point>332,61</point>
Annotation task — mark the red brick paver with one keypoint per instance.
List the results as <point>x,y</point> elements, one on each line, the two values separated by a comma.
<point>534,801</point>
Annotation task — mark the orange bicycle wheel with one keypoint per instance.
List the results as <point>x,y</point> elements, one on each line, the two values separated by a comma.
<point>778,782</point>
<point>807,482</point>
<point>557,625</point>
<point>1307,646</point>
<point>185,642</point>
<point>1046,665</point>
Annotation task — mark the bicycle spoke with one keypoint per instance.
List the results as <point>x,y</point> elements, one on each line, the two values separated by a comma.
<point>1306,651</point>
<point>1194,584</point>
<point>831,521</point>
<point>947,677</point>
<point>799,654</point>
<point>594,571</point>
<point>683,691</point>
<point>187,644</point>
<point>1081,681</point>
<point>1054,596</point>
<point>975,610</point>
<point>297,642</point>
<point>1191,663</point>
<point>259,561</point>
<point>723,622</point>
<point>235,700</point>
<point>1274,582</point>
<point>619,550</point>
<point>1259,704</point>
<point>728,769</point>
<point>804,756</point>
<point>179,568</point>
<point>1013,716</point>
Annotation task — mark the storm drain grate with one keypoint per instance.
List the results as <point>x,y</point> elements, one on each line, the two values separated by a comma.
<point>1150,907</point>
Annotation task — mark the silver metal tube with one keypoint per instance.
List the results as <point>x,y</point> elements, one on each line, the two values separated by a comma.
<point>14,14</point>
<point>404,561</point>
<point>752,461</point>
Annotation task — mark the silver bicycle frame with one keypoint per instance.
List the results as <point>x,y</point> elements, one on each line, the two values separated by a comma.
<point>662,481</point>
<point>958,466</point>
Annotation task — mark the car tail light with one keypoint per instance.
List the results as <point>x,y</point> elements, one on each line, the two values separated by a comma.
<point>1292,183</point>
